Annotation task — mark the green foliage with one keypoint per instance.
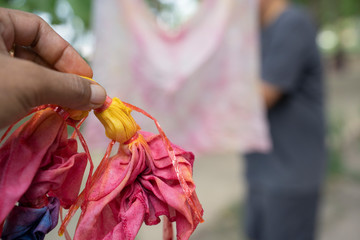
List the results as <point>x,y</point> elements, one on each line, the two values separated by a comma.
<point>349,8</point>
<point>330,11</point>
<point>81,8</point>
<point>33,6</point>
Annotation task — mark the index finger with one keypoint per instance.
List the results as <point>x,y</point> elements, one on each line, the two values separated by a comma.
<point>27,29</point>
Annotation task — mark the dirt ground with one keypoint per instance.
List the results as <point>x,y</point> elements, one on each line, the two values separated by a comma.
<point>340,216</point>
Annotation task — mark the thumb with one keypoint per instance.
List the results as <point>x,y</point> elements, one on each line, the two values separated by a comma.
<point>68,90</point>
<point>25,85</point>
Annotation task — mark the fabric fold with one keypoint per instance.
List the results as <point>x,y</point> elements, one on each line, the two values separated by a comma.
<point>31,223</point>
<point>145,187</point>
<point>40,170</point>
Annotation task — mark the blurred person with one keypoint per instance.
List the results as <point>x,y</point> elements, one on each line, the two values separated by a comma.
<point>41,69</point>
<point>284,185</point>
<point>340,59</point>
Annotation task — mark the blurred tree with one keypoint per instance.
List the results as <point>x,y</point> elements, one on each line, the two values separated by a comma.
<point>70,18</point>
<point>81,8</point>
<point>165,10</point>
<point>330,11</point>
<point>325,11</point>
<point>33,5</point>
<point>334,15</point>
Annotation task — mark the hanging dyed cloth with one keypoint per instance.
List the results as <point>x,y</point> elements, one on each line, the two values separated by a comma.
<point>200,80</point>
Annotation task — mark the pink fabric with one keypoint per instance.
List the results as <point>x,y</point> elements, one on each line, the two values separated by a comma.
<point>200,81</point>
<point>138,185</point>
<point>61,175</point>
<point>38,159</point>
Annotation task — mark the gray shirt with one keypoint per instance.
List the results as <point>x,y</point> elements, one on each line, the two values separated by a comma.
<point>290,61</point>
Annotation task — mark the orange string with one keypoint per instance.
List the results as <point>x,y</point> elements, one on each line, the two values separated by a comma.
<point>71,213</point>
<point>74,134</point>
<point>84,145</point>
<point>189,195</point>
<point>83,197</point>
<point>42,107</point>
<point>100,169</point>
<point>67,235</point>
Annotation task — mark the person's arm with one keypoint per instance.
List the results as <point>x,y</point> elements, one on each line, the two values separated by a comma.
<point>45,69</point>
<point>286,54</point>
<point>270,94</point>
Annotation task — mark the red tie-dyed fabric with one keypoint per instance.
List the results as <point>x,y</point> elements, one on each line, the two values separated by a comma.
<point>147,178</point>
<point>39,159</point>
<point>138,185</point>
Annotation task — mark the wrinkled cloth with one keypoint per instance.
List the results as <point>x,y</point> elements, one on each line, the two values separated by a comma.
<point>39,159</point>
<point>200,81</point>
<point>138,185</point>
<point>31,223</point>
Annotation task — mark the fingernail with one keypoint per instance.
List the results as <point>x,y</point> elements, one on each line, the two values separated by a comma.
<point>98,94</point>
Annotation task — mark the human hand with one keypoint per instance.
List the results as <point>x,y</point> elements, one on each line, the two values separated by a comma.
<point>45,69</point>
